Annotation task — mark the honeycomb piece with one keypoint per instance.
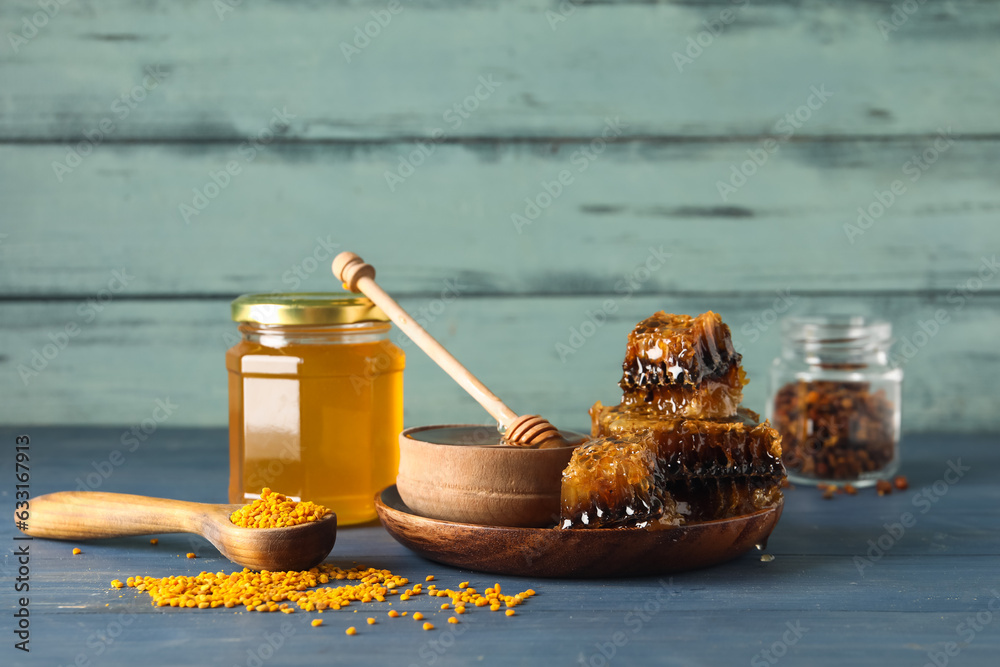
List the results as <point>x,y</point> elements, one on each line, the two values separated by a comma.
<point>712,398</point>
<point>679,448</point>
<point>668,350</point>
<point>611,482</point>
<point>710,499</point>
<point>689,448</point>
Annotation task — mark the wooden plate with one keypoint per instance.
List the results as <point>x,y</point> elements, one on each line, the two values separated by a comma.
<point>550,552</point>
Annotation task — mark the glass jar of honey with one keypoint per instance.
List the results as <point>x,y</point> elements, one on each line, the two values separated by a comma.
<point>315,401</point>
<point>835,400</point>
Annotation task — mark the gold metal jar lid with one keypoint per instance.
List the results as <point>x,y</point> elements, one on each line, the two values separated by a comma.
<point>306,308</point>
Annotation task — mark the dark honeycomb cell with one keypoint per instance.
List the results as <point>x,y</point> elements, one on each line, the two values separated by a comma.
<point>712,398</point>
<point>611,482</point>
<point>738,446</point>
<point>712,498</point>
<point>670,350</point>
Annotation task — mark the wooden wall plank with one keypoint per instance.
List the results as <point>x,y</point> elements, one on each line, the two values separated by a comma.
<point>453,218</point>
<point>63,236</point>
<point>135,352</point>
<point>556,79</point>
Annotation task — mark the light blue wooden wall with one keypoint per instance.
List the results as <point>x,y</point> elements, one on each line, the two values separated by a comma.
<point>552,87</point>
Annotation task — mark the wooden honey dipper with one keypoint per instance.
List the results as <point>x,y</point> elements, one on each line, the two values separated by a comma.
<point>520,431</point>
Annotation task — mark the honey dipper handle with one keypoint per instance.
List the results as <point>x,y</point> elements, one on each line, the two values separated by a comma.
<point>84,515</point>
<point>360,277</point>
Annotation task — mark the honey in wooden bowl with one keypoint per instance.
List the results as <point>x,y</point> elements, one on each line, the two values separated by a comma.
<point>462,473</point>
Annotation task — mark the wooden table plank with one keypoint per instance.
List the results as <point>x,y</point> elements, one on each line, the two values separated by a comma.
<point>910,602</point>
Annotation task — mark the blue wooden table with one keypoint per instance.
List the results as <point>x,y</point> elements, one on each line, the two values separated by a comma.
<point>912,578</point>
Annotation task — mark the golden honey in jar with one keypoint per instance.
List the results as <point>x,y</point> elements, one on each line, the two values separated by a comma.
<point>315,401</point>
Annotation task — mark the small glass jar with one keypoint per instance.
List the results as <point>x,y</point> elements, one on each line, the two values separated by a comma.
<point>315,401</point>
<point>835,400</point>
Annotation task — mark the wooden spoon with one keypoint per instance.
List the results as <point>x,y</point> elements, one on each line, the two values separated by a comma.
<point>520,431</point>
<point>84,515</point>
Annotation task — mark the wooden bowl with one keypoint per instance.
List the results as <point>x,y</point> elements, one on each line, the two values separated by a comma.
<point>461,472</point>
<point>574,552</point>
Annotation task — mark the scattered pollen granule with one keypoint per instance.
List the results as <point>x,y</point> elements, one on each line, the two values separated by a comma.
<point>154,541</point>
<point>275,510</point>
<point>265,591</point>
<point>316,622</point>
<point>77,551</point>
<point>322,588</point>
<point>192,555</point>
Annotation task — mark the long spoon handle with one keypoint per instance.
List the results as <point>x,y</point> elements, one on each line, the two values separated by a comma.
<point>358,276</point>
<point>82,515</point>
